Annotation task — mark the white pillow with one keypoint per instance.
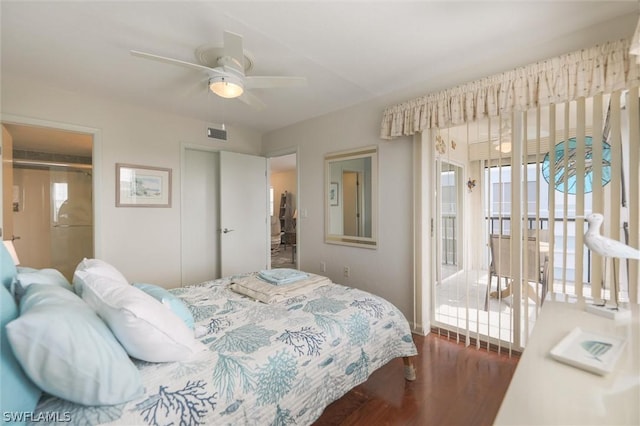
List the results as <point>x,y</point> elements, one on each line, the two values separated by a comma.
<point>96,267</point>
<point>146,329</point>
<point>68,351</point>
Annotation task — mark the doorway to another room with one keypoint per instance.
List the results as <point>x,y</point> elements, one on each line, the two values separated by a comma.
<point>48,195</point>
<point>283,209</point>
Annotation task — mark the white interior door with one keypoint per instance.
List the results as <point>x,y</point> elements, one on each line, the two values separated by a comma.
<point>200,216</point>
<point>6,184</point>
<point>243,213</point>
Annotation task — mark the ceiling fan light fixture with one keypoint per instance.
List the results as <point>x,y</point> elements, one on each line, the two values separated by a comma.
<point>225,87</point>
<point>504,147</point>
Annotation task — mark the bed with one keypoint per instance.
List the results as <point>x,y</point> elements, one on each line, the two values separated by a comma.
<point>278,363</point>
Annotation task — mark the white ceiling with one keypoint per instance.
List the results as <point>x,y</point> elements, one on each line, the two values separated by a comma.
<point>350,51</point>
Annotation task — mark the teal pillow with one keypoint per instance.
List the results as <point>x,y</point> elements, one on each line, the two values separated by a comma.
<point>39,276</point>
<point>68,351</point>
<point>176,305</point>
<point>7,268</point>
<point>18,393</point>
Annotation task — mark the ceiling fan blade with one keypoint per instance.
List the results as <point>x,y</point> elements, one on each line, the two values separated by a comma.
<point>233,51</point>
<point>173,61</point>
<point>252,100</point>
<point>266,82</point>
<point>197,88</point>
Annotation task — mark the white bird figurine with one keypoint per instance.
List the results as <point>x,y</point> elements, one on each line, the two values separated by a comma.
<point>607,247</point>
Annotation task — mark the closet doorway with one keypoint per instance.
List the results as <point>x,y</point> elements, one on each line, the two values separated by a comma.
<point>283,202</point>
<point>224,207</point>
<point>48,195</point>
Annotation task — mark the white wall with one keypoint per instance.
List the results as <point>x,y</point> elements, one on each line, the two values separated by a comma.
<point>388,270</point>
<point>144,243</point>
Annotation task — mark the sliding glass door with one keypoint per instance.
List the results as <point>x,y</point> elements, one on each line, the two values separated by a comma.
<point>532,178</point>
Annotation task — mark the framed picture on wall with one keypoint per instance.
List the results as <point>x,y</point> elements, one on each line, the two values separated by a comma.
<point>333,194</point>
<point>142,186</point>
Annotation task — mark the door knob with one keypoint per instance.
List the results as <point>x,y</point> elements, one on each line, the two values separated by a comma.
<point>226,230</point>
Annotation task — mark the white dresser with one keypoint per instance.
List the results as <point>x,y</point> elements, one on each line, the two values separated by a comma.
<point>544,391</point>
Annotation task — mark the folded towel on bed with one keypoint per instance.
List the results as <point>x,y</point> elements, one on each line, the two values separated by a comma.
<point>282,276</point>
<point>262,291</point>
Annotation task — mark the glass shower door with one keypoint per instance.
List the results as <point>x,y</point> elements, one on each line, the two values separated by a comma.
<point>71,219</point>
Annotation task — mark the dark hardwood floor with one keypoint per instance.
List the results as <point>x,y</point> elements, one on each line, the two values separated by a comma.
<point>454,386</point>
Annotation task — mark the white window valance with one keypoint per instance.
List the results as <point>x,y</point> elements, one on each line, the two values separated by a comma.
<point>584,73</point>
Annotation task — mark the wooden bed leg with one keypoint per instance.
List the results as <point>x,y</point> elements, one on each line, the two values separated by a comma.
<point>409,369</point>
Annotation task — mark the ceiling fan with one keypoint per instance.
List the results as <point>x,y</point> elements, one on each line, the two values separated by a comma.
<point>226,66</point>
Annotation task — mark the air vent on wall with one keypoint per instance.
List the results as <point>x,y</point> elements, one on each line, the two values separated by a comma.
<point>217,133</point>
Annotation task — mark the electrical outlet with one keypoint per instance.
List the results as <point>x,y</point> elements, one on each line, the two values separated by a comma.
<point>323,266</point>
<point>346,271</point>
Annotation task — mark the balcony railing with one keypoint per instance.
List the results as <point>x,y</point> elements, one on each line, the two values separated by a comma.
<point>502,225</point>
<point>449,240</point>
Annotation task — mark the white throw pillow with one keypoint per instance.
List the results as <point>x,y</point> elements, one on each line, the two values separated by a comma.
<point>145,328</point>
<point>68,351</point>
<point>96,267</point>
